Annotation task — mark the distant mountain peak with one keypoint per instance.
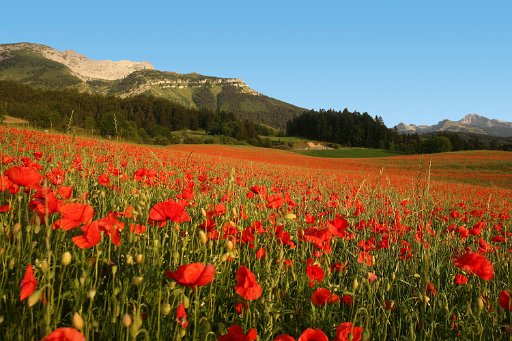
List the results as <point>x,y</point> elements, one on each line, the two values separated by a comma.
<point>81,66</point>
<point>471,123</point>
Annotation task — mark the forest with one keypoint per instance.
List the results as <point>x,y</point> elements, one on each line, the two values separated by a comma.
<point>355,129</point>
<point>151,120</point>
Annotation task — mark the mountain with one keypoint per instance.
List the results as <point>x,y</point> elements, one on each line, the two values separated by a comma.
<point>41,66</point>
<point>472,123</point>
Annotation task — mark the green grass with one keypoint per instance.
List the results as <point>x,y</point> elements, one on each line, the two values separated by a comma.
<point>349,153</point>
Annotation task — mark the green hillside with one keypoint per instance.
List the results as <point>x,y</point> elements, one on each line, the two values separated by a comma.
<point>25,63</point>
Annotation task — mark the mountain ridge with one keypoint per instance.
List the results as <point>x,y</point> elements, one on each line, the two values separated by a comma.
<point>44,67</point>
<point>471,123</point>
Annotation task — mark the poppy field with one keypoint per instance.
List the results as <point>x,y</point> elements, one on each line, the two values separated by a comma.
<point>103,240</point>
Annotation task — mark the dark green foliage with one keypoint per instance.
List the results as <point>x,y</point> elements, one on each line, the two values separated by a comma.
<point>436,144</point>
<point>347,128</point>
<point>142,119</point>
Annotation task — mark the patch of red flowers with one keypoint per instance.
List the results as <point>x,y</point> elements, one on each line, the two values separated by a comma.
<point>236,333</point>
<point>28,283</point>
<point>506,300</point>
<point>193,275</point>
<point>64,334</point>
<point>246,284</point>
<point>475,263</point>
<point>167,210</point>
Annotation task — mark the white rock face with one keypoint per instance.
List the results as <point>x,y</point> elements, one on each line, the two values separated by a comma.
<point>87,69</point>
<point>81,66</point>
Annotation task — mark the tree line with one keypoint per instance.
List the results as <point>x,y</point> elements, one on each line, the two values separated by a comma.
<point>141,119</point>
<point>355,129</point>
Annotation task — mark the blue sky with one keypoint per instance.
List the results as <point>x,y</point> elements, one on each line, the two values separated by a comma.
<point>411,61</point>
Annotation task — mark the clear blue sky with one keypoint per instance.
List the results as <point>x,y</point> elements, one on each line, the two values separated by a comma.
<point>412,61</point>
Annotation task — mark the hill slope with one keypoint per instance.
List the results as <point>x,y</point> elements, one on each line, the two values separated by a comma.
<point>44,67</point>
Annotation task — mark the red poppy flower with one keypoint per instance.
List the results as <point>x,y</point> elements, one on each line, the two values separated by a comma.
<point>348,332</point>
<point>260,253</point>
<point>236,333</point>
<point>5,183</point>
<point>91,236</point>
<point>505,300</point>
<point>275,201</point>
<point>104,180</point>
<point>111,226</point>
<point>64,334</point>
<point>65,191</point>
<point>73,215</point>
<point>338,226</point>
<point>193,275</point>
<point>347,299</point>
<point>314,272</point>
<point>246,284</point>
<point>313,335</point>
<point>137,228</point>
<point>181,316</point>
<point>167,210</point>
<point>28,283</point>
<point>460,279</point>
<point>284,337</point>
<point>322,296</point>
<point>24,176</point>
<point>365,258</point>
<point>475,263</point>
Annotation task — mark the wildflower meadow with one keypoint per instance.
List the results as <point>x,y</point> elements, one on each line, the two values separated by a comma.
<point>104,240</point>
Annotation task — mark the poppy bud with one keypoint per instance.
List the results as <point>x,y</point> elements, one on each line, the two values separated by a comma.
<point>203,238</point>
<point>16,229</point>
<point>34,298</point>
<point>91,294</point>
<point>480,303</point>
<point>78,322</point>
<point>127,320</point>
<point>129,260</point>
<point>355,284</point>
<point>203,212</point>
<point>186,302</point>
<point>166,309</point>
<point>11,263</point>
<point>137,280</point>
<point>44,265</point>
<point>139,258</point>
<point>229,245</point>
<point>290,216</point>
<point>224,257</point>
<point>66,258</point>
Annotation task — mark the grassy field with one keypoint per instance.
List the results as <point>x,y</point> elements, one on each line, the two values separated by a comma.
<point>349,153</point>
